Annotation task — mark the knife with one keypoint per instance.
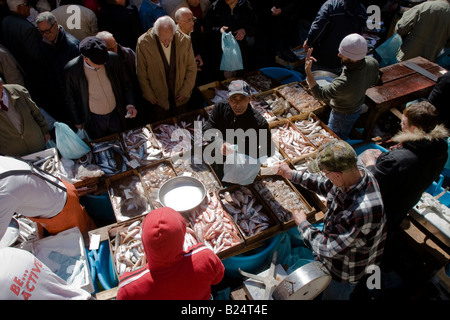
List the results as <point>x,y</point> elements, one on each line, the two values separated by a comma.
<point>422,71</point>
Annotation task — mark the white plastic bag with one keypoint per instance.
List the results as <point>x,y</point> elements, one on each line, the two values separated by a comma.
<point>69,143</point>
<point>240,169</point>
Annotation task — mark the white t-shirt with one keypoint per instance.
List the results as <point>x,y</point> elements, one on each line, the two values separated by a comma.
<point>24,277</point>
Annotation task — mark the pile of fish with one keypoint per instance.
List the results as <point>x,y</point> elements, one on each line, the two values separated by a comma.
<point>260,81</point>
<point>129,198</point>
<point>279,106</point>
<point>79,169</point>
<point>291,141</point>
<point>141,146</point>
<point>299,98</point>
<point>201,171</point>
<point>126,247</point>
<point>153,177</point>
<point>282,199</point>
<point>212,225</point>
<point>49,164</point>
<point>263,109</point>
<point>314,131</point>
<point>110,156</point>
<point>245,210</point>
<point>28,229</point>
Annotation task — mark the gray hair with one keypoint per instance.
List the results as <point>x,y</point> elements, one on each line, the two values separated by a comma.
<point>104,35</point>
<point>46,16</point>
<point>164,22</point>
<point>13,4</point>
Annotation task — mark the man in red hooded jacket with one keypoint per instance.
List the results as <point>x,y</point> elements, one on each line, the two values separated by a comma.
<point>171,273</point>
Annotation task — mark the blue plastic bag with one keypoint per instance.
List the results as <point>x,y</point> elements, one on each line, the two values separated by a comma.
<point>69,143</point>
<point>231,53</point>
<point>388,50</point>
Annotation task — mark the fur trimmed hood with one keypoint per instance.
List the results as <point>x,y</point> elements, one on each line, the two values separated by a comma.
<point>439,132</point>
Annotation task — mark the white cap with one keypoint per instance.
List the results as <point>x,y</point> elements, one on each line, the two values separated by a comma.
<point>353,46</point>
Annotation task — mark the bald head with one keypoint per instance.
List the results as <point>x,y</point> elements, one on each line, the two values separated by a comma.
<point>185,20</point>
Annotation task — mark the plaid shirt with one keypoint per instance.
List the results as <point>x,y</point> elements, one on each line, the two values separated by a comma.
<point>354,230</point>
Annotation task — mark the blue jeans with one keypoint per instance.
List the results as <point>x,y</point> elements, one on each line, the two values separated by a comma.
<point>338,290</point>
<point>342,124</point>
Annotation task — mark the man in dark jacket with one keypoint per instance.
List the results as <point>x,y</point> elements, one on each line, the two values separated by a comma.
<point>58,47</point>
<point>408,169</point>
<point>99,92</point>
<point>227,119</point>
<point>335,20</point>
<point>440,96</point>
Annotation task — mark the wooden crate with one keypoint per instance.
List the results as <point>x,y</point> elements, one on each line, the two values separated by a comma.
<point>119,154</point>
<point>299,52</point>
<point>272,95</point>
<point>286,122</point>
<point>260,81</point>
<point>153,176</point>
<point>162,130</point>
<point>330,135</point>
<point>274,226</point>
<point>128,196</point>
<point>272,198</point>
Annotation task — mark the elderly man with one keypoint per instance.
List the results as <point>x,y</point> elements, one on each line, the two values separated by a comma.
<point>166,68</point>
<point>346,93</point>
<point>354,231</point>
<point>58,47</point>
<point>99,92</point>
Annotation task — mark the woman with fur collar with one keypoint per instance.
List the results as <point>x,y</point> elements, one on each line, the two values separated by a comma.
<point>410,167</point>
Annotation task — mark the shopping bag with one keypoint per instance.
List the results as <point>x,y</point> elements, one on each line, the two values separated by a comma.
<point>69,143</point>
<point>240,169</point>
<point>388,50</point>
<point>231,53</point>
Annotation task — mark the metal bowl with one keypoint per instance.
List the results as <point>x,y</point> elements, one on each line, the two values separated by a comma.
<point>11,234</point>
<point>182,193</point>
<point>323,76</point>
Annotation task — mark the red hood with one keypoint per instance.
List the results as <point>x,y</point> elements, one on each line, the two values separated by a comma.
<point>163,233</point>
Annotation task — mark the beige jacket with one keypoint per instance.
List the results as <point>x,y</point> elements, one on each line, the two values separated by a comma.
<point>151,74</point>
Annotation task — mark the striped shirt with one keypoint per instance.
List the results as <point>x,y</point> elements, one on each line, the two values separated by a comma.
<point>354,230</point>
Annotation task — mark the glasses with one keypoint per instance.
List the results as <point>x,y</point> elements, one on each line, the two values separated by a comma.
<point>24,4</point>
<point>48,31</point>
<point>324,174</point>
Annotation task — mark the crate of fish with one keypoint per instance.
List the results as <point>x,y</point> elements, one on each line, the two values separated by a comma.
<point>173,138</point>
<point>260,81</point>
<point>192,123</point>
<point>300,98</point>
<point>276,104</point>
<point>315,130</point>
<point>197,168</point>
<point>291,142</point>
<point>213,226</point>
<point>141,146</point>
<point>253,217</point>
<point>153,176</point>
<point>282,197</point>
<point>109,154</point>
<point>128,196</point>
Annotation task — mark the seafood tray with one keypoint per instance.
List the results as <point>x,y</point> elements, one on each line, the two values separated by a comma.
<point>202,171</point>
<point>47,160</point>
<point>173,138</point>
<point>291,142</point>
<point>260,81</point>
<point>193,122</point>
<point>109,154</point>
<point>253,217</point>
<point>282,197</point>
<point>153,176</point>
<point>128,196</point>
<point>141,146</point>
<point>213,226</point>
<point>264,109</point>
<point>277,104</point>
<point>315,130</point>
<point>300,98</point>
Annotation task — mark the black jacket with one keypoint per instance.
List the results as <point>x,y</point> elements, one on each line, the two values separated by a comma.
<point>222,118</point>
<point>404,173</point>
<point>77,94</point>
<point>440,97</point>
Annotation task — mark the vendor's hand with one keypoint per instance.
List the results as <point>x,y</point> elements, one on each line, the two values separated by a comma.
<point>199,61</point>
<point>305,45</point>
<point>284,170</point>
<point>226,149</point>
<point>370,156</point>
<point>240,34</point>
<point>223,29</point>
<point>299,216</point>
<point>180,98</point>
<point>275,11</point>
<point>47,137</point>
<point>79,126</point>
<point>131,111</point>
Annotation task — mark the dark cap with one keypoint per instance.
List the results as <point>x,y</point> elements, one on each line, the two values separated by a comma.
<point>335,156</point>
<point>95,49</point>
<point>239,87</point>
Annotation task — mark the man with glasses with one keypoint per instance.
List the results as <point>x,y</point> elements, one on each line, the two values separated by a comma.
<point>58,47</point>
<point>354,231</point>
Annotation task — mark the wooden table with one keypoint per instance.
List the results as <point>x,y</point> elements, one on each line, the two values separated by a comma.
<point>400,85</point>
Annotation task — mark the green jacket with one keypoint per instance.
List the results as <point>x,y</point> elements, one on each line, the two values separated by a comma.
<point>31,138</point>
<point>425,30</point>
<point>346,93</point>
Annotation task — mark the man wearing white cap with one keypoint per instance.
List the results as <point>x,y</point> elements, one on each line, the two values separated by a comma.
<point>346,93</point>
